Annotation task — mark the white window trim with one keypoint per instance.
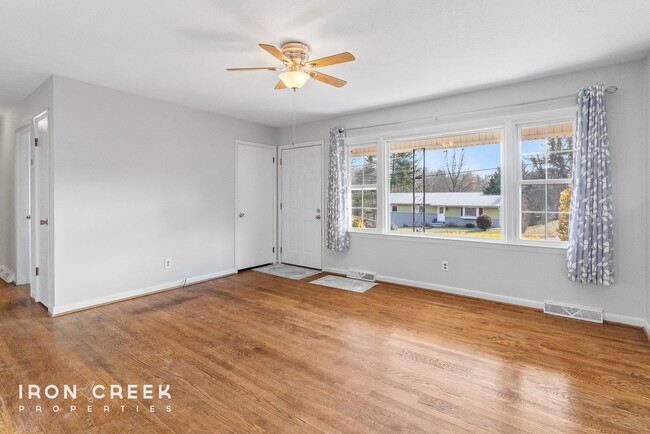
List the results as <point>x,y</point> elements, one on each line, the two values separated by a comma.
<point>359,144</point>
<point>509,210</point>
<point>519,181</point>
<point>462,212</point>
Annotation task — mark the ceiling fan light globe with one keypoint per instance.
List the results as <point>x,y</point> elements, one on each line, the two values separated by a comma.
<point>294,79</point>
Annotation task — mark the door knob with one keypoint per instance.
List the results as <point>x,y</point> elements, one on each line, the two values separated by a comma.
<point>318,217</point>
<point>44,222</point>
<point>241,214</point>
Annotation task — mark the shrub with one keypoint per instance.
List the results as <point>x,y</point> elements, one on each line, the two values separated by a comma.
<point>393,227</point>
<point>565,206</point>
<point>470,225</point>
<point>484,222</point>
<point>357,222</point>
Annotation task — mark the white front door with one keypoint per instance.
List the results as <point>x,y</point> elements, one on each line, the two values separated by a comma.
<point>301,206</point>
<point>441,214</point>
<point>40,218</point>
<point>256,179</point>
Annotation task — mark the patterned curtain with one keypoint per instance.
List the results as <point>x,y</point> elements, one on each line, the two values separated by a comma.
<point>338,238</point>
<point>589,256</point>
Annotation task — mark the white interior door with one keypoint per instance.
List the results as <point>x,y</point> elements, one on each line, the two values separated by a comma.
<point>256,205</point>
<point>40,206</point>
<point>23,204</point>
<point>301,206</point>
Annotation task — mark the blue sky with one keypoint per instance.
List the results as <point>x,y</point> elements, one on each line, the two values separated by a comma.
<point>477,158</point>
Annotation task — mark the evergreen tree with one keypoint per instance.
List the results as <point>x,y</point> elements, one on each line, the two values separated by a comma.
<point>493,185</point>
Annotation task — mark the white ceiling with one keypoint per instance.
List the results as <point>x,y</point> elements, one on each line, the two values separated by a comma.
<point>177,50</point>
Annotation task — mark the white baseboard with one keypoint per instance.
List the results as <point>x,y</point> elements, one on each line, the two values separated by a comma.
<point>7,274</point>
<point>623,319</point>
<point>112,298</point>
<point>646,329</point>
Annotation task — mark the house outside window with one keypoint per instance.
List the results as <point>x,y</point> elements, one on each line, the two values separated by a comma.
<point>446,180</point>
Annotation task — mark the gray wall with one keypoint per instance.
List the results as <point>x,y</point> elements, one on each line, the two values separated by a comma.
<point>647,85</point>
<point>137,181</point>
<point>512,273</point>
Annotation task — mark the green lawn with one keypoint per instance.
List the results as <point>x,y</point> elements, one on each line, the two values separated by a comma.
<point>465,232</point>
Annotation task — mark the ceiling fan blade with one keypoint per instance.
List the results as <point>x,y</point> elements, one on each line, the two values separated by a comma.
<point>280,85</point>
<point>262,68</point>
<point>327,79</point>
<point>275,52</point>
<point>331,60</point>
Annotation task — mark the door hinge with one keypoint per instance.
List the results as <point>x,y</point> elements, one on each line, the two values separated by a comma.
<point>36,142</point>
<point>280,249</point>
<point>37,271</point>
<point>273,249</point>
<point>280,205</point>
<point>280,161</point>
<point>274,159</point>
<point>32,161</point>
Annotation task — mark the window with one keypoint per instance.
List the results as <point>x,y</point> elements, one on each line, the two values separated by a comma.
<point>471,213</point>
<point>363,186</point>
<point>545,175</point>
<point>444,180</point>
<point>437,184</point>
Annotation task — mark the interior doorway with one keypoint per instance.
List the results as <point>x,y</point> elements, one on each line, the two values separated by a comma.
<point>33,261</point>
<point>23,204</point>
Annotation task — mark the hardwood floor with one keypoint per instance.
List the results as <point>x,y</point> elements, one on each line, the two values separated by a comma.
<point>258,353</point>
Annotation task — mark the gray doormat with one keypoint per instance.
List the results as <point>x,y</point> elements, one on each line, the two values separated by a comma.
<point>344,283</point>
<point>288,271</point>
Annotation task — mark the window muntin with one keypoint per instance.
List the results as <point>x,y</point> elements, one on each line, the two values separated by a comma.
<point>447,173</point>
<point>545,175</point>
<point>363,186</point>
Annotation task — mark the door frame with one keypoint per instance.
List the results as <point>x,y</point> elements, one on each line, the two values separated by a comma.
<point>49,295</point>
<point>275,195</point>
<point>281,148</point>
<point>23,202</point>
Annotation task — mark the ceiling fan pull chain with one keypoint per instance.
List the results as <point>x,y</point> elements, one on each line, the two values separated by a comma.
<point>293,120</point>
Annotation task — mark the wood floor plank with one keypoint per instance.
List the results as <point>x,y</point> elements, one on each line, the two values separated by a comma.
<point>259,353</point>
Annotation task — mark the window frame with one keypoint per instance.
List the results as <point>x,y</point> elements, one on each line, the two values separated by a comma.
<point>507,121</point>
<point>520,182</point>
<point>463,213</point>
<point>471,128</point>
<point>348,148</point>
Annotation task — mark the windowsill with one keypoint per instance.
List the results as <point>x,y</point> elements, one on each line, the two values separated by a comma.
<point>495,243</point>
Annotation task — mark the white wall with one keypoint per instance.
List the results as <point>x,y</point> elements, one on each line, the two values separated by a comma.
<point>34,104</point>
<point>511,273</point>
<point>137,181</point>
<point>647,108</point>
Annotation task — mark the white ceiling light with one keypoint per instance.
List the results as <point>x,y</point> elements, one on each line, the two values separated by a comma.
<point>294,79</point>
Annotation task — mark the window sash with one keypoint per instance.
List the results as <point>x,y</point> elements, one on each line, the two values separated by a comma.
<point>520,182</point>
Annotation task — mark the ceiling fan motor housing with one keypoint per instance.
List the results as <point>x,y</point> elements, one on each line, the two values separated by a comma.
<point>297,52</point>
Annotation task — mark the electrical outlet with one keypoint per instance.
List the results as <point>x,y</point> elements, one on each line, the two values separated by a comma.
<point>445,266</point>
<point>168,263</point>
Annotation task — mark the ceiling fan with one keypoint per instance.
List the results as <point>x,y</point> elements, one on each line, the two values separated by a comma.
<point>297,66</point>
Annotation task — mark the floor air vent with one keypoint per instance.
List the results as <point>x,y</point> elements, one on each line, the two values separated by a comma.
<point>361,275</point>
<point>583,313</point>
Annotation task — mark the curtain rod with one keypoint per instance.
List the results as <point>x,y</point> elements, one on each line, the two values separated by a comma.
<point>609,90</point>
